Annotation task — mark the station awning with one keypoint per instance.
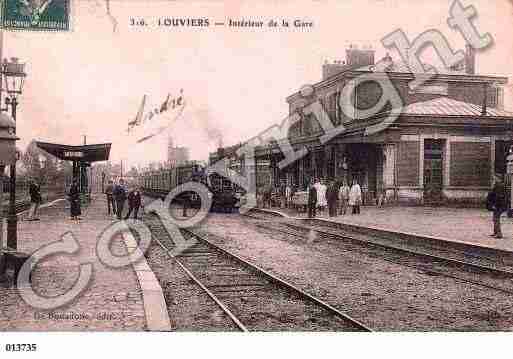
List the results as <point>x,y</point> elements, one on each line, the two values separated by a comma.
<point>84,153</point>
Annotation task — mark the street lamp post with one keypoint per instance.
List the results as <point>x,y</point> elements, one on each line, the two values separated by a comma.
<point>7,152</point>
<point>43,175</point>
<point>12,219</point>
<point>509,172</point>
<point>13,74</point>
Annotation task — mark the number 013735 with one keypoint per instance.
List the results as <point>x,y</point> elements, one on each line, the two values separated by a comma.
<point>20,347</point>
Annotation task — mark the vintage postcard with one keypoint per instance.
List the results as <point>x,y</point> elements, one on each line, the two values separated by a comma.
<point>255,166</point>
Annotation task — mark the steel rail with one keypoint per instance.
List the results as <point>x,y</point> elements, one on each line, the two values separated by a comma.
<point>283,283</point>
<point>415,253</point>
<point>204,288</point>
<point>409,251</point>
<point>382,245</point>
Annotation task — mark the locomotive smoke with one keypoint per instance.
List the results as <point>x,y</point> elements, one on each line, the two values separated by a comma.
<point>207,122</point>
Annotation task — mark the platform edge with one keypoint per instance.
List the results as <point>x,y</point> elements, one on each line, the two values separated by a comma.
<point>155,307</point>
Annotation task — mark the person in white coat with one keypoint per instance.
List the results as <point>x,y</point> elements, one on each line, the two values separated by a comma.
<point>343,197</point>
<point>288,196</point>
<point>355,197</point>
<point>322,201</point>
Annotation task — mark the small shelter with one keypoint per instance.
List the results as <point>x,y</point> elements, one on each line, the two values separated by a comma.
<point>81,156</point>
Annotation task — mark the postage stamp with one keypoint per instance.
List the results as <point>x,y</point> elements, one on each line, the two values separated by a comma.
<point>42,15</point>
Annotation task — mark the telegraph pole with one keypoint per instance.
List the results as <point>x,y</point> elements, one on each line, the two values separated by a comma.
<point>1,59</point>
<point>3,219</point>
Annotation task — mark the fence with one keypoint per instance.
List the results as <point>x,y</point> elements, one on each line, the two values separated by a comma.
<point>49,191</point>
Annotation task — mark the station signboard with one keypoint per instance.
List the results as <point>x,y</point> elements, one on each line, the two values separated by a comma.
<point>73,155</point>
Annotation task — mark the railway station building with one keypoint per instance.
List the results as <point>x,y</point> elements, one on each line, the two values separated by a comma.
<point>448,140</point>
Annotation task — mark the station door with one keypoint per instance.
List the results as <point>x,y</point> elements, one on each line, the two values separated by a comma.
<point>433,169</point>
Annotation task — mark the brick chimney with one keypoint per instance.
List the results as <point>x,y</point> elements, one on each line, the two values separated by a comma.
<point>470,60</point>
<point>355,58</point>
<point>220,153</point>
<point>330,69</point>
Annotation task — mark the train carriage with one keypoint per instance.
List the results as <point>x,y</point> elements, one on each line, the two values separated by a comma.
<point>159,183</point>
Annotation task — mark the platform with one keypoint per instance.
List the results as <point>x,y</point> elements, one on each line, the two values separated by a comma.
<point>113,301</point>
<point>464,225</point>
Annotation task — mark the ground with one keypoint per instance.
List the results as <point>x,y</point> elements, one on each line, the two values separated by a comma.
<point>381,294</point>
<point>112,301</point>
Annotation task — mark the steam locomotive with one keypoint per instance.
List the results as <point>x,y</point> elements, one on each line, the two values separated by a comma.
<point>226,196</point>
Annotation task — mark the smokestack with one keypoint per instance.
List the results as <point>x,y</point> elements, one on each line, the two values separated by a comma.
<point>358,58</point>
<point>355,58</point>
<point>330,69</point>
<point>470,60</point>
<point>484,110</point>
<point>220,153</point>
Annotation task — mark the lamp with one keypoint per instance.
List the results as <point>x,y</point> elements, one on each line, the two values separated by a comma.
<point>14,76</point>
<point>13,73</point>
<point>42,161</point>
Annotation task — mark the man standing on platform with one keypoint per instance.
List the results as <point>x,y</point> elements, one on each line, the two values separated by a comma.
<point>75,201</point>
<point>332,197</point>
<point>355,197</point>
<point>288,196</point>
<point>498,206</point>
<point>283,195</point>
<point>134,203</point>
<point>119,194</point>
<point>312,200</point>
<point>110,199</point>
<point>35,200</point>
<point>267,196</point>
<point>343,197</point>
<point>322,201</point>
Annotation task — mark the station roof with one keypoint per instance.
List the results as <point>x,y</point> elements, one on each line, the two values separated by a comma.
<point>398,69</point>
<point>401,67</point>
<point>444,106</point>
<point>84,153</point>
<point>439,111</point>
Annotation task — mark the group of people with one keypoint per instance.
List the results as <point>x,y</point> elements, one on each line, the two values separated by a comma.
<point>282,194</point>
<point>117,195</point>
<point>334,196</point>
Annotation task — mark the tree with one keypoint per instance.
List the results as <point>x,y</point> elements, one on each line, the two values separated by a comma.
<point>44,168</point>
<point>31,160</point>
<point>133,172</point>
<point>49,173</point>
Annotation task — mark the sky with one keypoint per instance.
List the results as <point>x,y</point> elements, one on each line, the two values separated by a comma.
<point>91,80</point>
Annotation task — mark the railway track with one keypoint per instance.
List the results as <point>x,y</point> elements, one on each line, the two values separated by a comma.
<point>20,207</point>
<point>24,205</point>
<point>254,299</point>
<point>430,264</point>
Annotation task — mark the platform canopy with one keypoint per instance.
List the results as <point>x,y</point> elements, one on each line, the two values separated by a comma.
<point>84,153</point>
